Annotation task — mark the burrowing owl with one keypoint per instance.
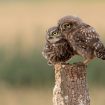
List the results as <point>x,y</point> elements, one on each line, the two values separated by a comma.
<point>83,38</point>
<point>57,48</point>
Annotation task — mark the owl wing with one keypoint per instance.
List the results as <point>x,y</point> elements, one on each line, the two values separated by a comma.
<point>85,37</point>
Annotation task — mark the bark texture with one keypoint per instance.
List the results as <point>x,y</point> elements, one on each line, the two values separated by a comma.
<point>70,85</point>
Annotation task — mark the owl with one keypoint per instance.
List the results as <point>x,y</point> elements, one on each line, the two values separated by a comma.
<point>57,49</point>
<point>82,37</point>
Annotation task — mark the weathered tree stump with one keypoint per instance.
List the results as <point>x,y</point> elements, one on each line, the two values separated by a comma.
<point>70,85</point>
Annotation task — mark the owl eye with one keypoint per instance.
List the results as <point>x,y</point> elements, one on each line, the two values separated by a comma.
<point>67,26</point>
<point>54,33</point>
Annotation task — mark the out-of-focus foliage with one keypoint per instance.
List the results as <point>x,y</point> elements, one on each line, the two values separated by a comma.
<point>32,69</point>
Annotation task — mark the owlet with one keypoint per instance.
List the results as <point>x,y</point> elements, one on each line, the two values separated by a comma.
<point>82,37</point>
<point>57,48</point>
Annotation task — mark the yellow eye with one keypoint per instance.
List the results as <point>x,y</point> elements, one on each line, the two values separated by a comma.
<point>67,26</point>
<point>54,33</point>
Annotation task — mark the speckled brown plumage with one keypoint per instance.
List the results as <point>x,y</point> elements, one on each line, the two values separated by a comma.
<point>82,37</point>
<point>57,48</point>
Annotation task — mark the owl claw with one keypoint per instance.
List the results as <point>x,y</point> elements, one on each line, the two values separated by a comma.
<point>86,61</point>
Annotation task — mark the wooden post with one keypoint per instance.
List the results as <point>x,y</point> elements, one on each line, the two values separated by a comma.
<point>70,85</point>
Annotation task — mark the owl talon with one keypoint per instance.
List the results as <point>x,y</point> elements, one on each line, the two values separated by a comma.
<point>86,61</point>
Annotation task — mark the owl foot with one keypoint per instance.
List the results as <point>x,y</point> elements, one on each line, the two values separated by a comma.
<point>86,61</point>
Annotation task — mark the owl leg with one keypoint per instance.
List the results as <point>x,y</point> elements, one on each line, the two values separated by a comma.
<point>88,55</point>
<point>86,61</point>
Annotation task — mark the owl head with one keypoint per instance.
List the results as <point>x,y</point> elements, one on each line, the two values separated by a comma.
<point>53,35</point>
<point>68,23</point>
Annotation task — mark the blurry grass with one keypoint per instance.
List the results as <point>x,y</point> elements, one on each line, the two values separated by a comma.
<point>32,70</point>
<point>20,67</point>
<point>41,96</point>
<point>29,71</point>
<point>25,96</point>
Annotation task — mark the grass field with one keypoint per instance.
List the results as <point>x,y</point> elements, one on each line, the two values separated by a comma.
<point>31,96</point>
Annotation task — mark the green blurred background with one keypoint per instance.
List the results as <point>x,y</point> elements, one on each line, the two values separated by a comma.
<point>25,77</point>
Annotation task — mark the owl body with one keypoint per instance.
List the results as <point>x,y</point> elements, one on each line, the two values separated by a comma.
<point>59,52</point>
<point>82,37</point>
<point>57,48</point>
<point>82,41</point>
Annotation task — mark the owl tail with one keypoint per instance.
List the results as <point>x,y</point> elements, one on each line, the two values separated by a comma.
<point>99,50</point>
